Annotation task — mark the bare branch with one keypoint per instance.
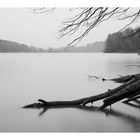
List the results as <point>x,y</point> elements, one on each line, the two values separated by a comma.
<point>43,10</point>
<point>132,21</point>
<point>133,34</point>
<point>87,18</point>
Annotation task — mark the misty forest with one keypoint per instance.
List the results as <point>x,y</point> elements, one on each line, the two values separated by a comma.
<point>57,76</point>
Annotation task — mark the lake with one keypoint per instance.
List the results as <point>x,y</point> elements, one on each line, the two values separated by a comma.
<point>26,77</point>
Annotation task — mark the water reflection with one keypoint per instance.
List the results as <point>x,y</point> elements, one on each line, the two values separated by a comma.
<point>134,105</point>
<point>63,77</point>
<point>137,65</point>
<point>130,119</point>
<point>115,113</point>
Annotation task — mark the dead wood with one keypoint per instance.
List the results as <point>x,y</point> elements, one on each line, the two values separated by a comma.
<point>129,89</point>
<point>123,93</point>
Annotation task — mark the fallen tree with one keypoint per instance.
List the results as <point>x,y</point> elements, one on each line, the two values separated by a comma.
<point>129,90</point>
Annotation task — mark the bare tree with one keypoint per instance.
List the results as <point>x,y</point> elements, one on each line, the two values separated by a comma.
<point>88,18</point>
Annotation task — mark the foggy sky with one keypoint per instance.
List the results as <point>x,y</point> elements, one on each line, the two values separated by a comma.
<point>40,30</point>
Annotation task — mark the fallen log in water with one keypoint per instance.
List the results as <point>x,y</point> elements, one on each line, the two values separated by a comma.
<point>129,89</point>
<point>108,93</point>
<point>137,96</point>
<point>123,79</point>
<point>124,93</point>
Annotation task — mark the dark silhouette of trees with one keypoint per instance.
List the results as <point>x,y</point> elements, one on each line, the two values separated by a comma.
<point>11,46</point>
<point>117,42</point>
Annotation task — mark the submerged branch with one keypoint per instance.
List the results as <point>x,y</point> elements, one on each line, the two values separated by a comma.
<point>130,88</point>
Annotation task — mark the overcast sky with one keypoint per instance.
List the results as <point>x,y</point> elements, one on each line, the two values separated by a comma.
<point>40,30</point>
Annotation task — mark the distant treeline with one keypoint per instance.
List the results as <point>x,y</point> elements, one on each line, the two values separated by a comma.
<point>118,42</point>
<point>10,46</point>
<point>98,46</point>
<point>123,42</point>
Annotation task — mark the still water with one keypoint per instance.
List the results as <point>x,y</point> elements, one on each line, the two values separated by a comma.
<point>24,78</point>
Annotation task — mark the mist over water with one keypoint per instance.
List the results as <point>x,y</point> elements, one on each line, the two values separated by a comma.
<point>24,78</point>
